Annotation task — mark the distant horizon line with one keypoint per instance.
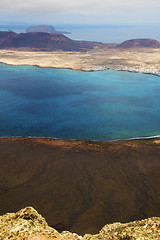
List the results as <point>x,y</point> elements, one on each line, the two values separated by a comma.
<point>72,25</point>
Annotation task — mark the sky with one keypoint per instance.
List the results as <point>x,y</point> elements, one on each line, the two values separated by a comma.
<point>106,12</point>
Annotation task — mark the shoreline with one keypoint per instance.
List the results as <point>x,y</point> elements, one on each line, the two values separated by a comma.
<point>92,69</point>
<point>123,70</point>
<point>157,137</point>
<point>141,60</point>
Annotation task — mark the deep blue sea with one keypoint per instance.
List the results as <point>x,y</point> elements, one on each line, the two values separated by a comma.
<point>68,104</point>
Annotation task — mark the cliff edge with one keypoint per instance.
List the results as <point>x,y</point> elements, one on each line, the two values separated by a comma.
<point>28,224</point>
<point>81,185</point>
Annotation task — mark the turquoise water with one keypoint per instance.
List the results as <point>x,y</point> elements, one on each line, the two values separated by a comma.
<point>69,104</point>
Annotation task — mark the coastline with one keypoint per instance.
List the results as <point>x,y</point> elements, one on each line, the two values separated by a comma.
<point>125,69</point>
<point>157,137</point>
<point>97,68</point>
<point>9,58</point>
<point>76,145</point>
<point>144,61</point>
<point>80,185</point>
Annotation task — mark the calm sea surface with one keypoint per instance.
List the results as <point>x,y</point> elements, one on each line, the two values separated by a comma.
<point>100,33</point>
<point>69,104</point>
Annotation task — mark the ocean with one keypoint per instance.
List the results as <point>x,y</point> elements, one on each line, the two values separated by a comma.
<point>70,104</point>
<point>98,33</point>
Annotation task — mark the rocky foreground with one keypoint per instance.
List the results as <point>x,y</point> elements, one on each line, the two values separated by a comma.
<point>28,224</point>
<point>80,186</point>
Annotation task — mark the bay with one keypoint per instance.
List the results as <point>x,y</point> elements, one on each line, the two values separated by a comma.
<point>69,104</point>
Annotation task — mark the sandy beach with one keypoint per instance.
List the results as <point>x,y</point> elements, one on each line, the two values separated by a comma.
<point>144,60</point>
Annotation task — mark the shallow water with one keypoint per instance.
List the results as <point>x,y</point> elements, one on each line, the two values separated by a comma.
<point>69,104</point>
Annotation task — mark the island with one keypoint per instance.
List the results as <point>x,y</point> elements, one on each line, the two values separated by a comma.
<point>44,28</point>
<point>58,51</point>
<point>79,186</point>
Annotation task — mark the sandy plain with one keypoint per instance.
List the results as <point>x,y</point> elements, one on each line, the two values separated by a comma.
<point>145,60</point>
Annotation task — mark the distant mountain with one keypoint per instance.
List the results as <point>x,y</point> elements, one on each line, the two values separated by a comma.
<point>41,28</point>
<point>38,40</point>
<point>134,43</point>
<point>91,45</point>
<point>43,41</point>
<point>44,29</point>
<point>6,37</point>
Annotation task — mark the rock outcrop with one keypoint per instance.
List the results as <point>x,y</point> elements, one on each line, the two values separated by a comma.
<point>140,43</point>
<point>28,224</point>
<point>80,185</point>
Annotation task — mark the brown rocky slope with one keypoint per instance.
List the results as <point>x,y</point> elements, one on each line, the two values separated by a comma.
<point>38,40</point>
<point>43,41</point>
<point>79,185</point>
<point>28,224</point>
<point>140,43</point>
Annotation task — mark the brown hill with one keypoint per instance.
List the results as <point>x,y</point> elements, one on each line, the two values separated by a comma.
<point>81,186</point>
<point>38,40</point>
<point>134,43</point>
<point>91,45</point>
<point>6,37</point>
<point>44,42</point>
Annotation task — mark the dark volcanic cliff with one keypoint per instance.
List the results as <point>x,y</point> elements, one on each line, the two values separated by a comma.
<point>81,186</point>
<point>134,43</point>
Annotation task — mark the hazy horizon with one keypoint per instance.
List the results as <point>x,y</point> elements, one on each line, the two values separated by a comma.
<point>103,20</point>
<point>98,33</point>
<point>107,12</point>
